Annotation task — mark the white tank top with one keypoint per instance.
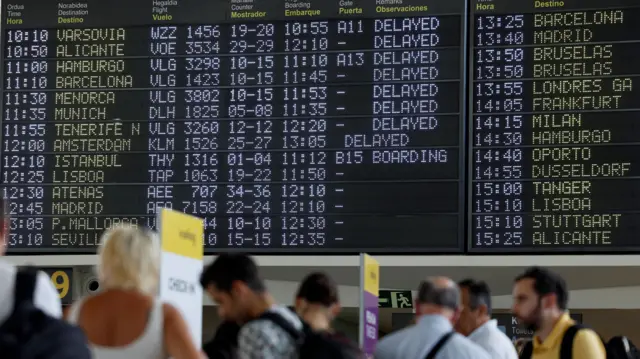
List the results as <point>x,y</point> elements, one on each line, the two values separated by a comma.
<point>150,345</point>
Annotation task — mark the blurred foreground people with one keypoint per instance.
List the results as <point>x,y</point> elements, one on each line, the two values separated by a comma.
<point>30,312</point>
<point>233,282</point>
<point>433,337</point>
<point>125,320</point>
<point>45,295</point>
<point>540,300</point>
<point>475,321</point>
<point>317,303</point>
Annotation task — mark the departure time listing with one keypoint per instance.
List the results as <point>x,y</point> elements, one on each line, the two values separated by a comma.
<point>555,155</point>
<point>287,125</point>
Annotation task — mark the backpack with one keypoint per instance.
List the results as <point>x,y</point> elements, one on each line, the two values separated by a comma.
<point>29,333</point>
<point>316,345</point>
<point>617,347</point>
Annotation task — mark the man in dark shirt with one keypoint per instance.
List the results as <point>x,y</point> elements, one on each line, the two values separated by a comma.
<point>234,283</point>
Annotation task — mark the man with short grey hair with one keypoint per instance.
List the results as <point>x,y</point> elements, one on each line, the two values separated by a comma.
<point>432,337</point>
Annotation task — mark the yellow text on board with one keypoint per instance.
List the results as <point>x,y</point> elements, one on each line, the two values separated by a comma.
<point>182,234</point>
<point>371,275</point>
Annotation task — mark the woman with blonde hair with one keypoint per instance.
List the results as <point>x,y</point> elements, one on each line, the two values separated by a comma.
<point>125,319</point>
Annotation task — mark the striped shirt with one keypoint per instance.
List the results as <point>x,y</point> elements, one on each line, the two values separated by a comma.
<point>264,339</point>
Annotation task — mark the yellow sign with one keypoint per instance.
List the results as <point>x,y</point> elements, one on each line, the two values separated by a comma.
<point>371,275</point>
<point>62,279</point>
<point>182,234</point>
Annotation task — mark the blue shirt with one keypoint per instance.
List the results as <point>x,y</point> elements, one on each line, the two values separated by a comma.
<point>416,341</point>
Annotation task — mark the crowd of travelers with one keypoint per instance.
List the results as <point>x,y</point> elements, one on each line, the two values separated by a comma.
<point>126,320</point>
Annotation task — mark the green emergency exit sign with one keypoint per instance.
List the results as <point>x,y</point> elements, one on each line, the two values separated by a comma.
<point>398,299</point>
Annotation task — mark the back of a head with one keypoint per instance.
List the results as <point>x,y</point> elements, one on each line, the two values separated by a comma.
<point>228,268</point>
<point>318,288</point>
<point>547,282</point>
<point>129,258</point>
<point>439,292</point>
<point>478,292</point>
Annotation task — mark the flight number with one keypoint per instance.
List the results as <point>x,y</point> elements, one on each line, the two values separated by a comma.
<point>202,64</point>
<point>201,128</point>
<point>200,159</point>
<point>202,111</point>
<point>206,47</point>
<point>204,191</point>
<point>202,96</point>
<point>203,32</point>
<point>201,175</point>
<point>199,207</point>
<point>201,143</point>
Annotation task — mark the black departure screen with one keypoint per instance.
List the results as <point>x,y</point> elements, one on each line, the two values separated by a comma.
<point>289,125</point>
<point>555,161</point>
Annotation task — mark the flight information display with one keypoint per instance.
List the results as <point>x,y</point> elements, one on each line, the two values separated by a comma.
<point>289,125</point>
<point>555,147</point>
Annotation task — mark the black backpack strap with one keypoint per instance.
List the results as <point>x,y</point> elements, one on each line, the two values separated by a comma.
<point>566,348</point>
<point>278,320</point>
<point>25,285</point>
<point>439,345</point>
<point>527,350</point>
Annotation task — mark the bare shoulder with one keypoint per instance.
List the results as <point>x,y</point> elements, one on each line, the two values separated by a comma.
<point>170,313</point>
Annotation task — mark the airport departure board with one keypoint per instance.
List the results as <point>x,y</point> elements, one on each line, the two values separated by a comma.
<point>554,127</point>
<point>318,126</point>
<point>289,125</point>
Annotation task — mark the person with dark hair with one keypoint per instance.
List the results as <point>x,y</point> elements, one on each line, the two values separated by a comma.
<point>475,321</point>
<point>317,303</point>
<point>234,283</point>
<point>432,337</point>
<point>540,300</point>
